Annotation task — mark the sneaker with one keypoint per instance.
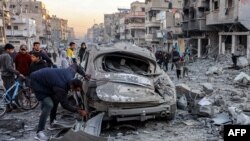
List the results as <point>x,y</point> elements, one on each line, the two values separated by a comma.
<point>53,127</point>
<point>41,136</point>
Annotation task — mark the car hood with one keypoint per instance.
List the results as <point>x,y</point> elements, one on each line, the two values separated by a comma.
<point>127,93</point>
<point>127,79</point>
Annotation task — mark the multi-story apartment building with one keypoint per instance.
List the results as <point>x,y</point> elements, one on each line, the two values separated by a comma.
<point>112,25</point>
<point>152,25</point>
<point>171,25</point>
<point>132,25</point>
<point>231,19</point>
<point>95,34</point>
<point>35,10</point>
<point>60,31</point>
<point>71,34</point>
<point>21,31</point>
<point>198,34</point>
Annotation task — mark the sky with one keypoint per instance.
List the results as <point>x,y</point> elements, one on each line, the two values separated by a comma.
<point>82,14</point>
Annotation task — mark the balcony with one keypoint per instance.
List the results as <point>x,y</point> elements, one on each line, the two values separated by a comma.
<point>157,4</point>
<point>224,16</point>
<point>151,38</point>
<point>202,3</point>
<point>197,25</point>
<point>153,23</point>
<point>17,33</point>
<point>135,15</point>
<point>136,26</point>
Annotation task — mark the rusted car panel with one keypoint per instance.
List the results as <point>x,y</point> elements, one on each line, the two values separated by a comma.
<point>127,84</point>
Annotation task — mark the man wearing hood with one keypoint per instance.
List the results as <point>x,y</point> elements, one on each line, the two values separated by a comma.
<point>51,87</point>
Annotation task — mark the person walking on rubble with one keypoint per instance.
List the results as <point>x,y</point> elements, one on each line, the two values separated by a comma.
<point>51,87</point>
<point>175,58</point>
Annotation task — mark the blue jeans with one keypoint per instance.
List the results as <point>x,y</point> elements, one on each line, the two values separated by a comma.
<point>49,107</point>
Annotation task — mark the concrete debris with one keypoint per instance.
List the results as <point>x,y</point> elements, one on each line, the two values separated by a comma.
<point>205,108</point>
<point>242,78</point>
<point>14,125</point>
<point>186,90</point>
<point>214,70</point>
<point>238,116</point>
<point>207,88</point>
<point>243,62</point>
<point>222,119</point>
<point>182,103</point>
<point>84,131</point>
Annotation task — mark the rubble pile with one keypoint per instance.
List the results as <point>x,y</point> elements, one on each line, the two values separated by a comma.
<point>224,96</point>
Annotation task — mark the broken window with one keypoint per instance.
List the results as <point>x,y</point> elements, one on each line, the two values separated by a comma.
<point>229,3</point>
<point>125,64</point>
<point>216,4</point>
<point>15,27</point>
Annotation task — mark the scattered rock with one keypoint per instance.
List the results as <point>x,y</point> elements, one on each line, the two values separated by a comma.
<point>243,62</point>
<point>237,99</point>
<point>214,70</point>
<point>182,103</point>
<point>205,108</point>
<point>238,116</point>
<point>222,119</point>
<point>207,88</point>
<point>242,78</point>
<point>13,125</point>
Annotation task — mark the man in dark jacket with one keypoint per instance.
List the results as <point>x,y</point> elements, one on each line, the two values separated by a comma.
<point>7,69</point>
<point>37,63</point>
<point>51,87</point>
<point>82,51</point>
<point>23,61</point>
<point>43,54</point>
<point>175,58</point>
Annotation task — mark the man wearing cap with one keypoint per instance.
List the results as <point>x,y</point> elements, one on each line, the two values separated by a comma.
<point>7,69</point>
<point>23,61</point>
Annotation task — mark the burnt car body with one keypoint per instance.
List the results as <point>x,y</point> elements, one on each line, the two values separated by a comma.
<point>127,84</point>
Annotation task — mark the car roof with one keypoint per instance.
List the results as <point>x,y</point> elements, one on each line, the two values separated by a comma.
<point>121,47</point>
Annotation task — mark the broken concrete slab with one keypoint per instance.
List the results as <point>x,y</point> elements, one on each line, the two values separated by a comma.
<point>239,117</point>
<point>207,88</point>
<point>205,108</point>
<point>214,70</point>
<point>222,119</point>
<point>183,89</point>
<point>243,62</point>
<point>242,78</point>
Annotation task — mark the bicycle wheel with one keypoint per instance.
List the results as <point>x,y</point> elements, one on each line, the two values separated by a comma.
<point>27,99</point>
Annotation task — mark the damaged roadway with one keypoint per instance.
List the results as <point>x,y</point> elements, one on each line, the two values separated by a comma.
<point>223,100</point>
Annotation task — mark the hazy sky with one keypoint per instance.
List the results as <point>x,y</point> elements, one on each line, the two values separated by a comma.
<point>83,13</point>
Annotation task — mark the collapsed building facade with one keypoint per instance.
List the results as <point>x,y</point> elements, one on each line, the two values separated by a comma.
<point>217,26</point>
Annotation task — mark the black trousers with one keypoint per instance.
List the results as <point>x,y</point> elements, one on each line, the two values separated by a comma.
<point>178,73</point>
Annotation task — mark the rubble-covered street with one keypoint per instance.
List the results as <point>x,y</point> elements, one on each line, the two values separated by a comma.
<point>204,109</point>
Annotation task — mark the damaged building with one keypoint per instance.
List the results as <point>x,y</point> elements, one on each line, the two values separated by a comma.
<point>132,25</point>
<point>231,20</point>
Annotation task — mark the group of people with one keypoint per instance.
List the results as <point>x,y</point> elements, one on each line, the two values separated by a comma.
<point>50,85</point>
<point>178,61</point>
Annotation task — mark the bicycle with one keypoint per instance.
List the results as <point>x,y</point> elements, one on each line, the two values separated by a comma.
<point>23,98</point>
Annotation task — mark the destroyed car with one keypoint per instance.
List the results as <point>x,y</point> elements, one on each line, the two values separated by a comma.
<point>127,84</point>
